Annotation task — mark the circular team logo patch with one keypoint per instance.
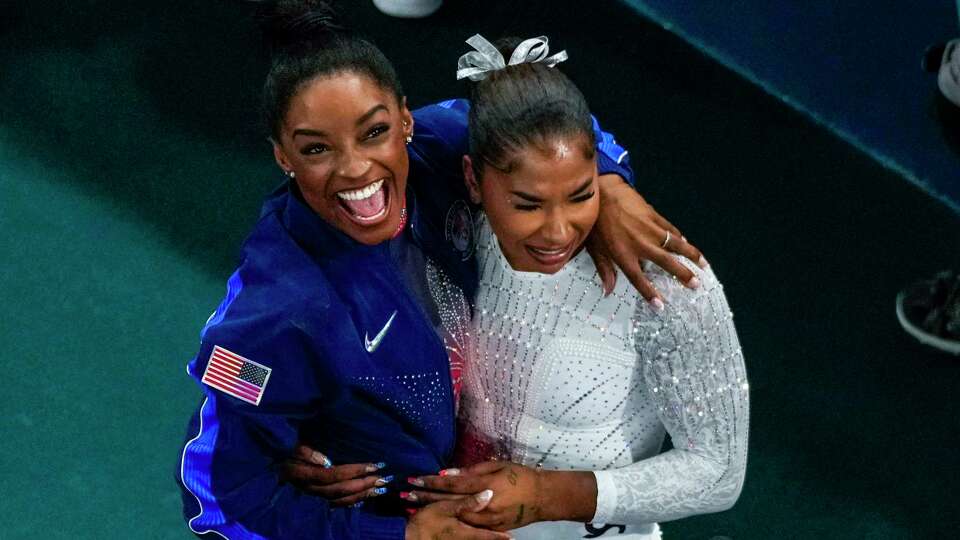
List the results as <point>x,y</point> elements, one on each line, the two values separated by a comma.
<point>458,228</point>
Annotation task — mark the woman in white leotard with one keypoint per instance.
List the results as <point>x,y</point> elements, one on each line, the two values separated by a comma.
<point>570,391</point>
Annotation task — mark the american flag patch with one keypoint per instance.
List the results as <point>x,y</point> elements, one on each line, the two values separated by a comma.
<point>235,375</point>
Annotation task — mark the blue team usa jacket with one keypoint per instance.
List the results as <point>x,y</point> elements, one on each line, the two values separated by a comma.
<point>319,339</point>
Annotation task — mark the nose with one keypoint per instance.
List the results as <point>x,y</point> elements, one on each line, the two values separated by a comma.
<point>556,229</point>
<point>353,164</point>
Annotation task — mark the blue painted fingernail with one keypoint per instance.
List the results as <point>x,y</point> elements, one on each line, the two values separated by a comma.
<point>321,459</point>
<point>356,505</point>
<point>379,491</point>
<point>383,480</point>
<point>380,465</point>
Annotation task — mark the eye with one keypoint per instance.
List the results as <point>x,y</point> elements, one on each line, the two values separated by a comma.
<point>377,130</point>
<point>526,207</point>
<point>314,149</point>
<point>582,198</point>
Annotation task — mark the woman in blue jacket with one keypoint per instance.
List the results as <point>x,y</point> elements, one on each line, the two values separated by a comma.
<point>340,326</point>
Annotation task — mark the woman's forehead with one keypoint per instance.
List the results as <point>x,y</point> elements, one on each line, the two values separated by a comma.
<point>343,96</point>
<point>561,164</point>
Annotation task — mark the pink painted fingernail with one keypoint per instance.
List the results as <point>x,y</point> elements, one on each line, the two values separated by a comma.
<point>408,496</point>
<point>415,481</point>
<point>694,283</point>
<point>450,472</point>
<point>702,263</point>
<point>657,305</point>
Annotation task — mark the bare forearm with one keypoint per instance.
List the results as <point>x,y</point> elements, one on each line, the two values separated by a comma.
<point>612,187</point>
<point>568,496</point>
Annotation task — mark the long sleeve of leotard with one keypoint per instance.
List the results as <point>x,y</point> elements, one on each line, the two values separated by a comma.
<point>691,363</point>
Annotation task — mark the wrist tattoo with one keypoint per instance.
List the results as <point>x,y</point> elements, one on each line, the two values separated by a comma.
<point>512,476</point>
<point>519,516</point>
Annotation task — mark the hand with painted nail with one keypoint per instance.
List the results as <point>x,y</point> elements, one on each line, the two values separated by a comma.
<point>343,485</point>
<point>442,520</point>
<point>523,495</point>
<point>629,231</point>
<point>420,494</point>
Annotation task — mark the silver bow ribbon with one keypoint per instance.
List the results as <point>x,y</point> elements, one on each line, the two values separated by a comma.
<point>477,64</point>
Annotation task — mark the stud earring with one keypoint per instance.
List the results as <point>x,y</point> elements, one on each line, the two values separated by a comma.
<point>291,174</point>
<point>409,139</point>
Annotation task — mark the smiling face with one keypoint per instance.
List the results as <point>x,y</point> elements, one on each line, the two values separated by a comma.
<point>543,209</point>
<point>343,137</point>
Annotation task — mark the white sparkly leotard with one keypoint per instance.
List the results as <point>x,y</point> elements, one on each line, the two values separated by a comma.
<point>565,378</point>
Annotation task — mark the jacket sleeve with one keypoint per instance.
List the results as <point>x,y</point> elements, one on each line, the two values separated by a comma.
<point>692,366</point>
<point>229,463</point>
<point>447,139</point>
<point>611,157</point>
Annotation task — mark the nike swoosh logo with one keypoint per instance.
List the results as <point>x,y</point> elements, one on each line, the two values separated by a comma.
<point>372,345</point>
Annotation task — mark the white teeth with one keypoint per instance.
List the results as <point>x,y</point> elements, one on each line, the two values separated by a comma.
<point>549,252</point>
<point>362,193</point>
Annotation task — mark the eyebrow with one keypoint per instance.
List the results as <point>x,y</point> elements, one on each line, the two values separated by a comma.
<point>308,132</point>
<point>366,116</point>
<point>533,198</point>
<point>363,118</point>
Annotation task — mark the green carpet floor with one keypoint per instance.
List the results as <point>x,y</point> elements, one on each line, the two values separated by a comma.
<point>132,165</point>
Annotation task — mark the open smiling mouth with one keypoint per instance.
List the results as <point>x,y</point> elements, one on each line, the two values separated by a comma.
<point>553,256</point>
<point>367,205</point>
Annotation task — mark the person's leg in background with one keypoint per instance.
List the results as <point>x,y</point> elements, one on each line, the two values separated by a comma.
<point>929,310</point>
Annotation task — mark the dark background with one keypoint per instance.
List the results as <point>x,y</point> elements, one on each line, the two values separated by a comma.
<point>853,66</point>
<point>132,164</point>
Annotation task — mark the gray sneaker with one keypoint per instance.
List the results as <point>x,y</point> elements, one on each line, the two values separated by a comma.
<point>929,310</point>
<point>408,9</point>
<point>944,60</point>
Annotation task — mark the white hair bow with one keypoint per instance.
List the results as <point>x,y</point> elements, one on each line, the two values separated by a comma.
<point>479,63</point>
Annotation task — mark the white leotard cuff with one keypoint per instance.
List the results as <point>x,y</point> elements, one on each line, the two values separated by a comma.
<point>606,497</point>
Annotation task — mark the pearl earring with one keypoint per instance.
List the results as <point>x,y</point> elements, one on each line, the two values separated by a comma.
<point>291,174</point>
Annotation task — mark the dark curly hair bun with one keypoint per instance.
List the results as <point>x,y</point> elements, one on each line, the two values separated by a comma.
<point>307,42</point>
<point>294,24</point>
